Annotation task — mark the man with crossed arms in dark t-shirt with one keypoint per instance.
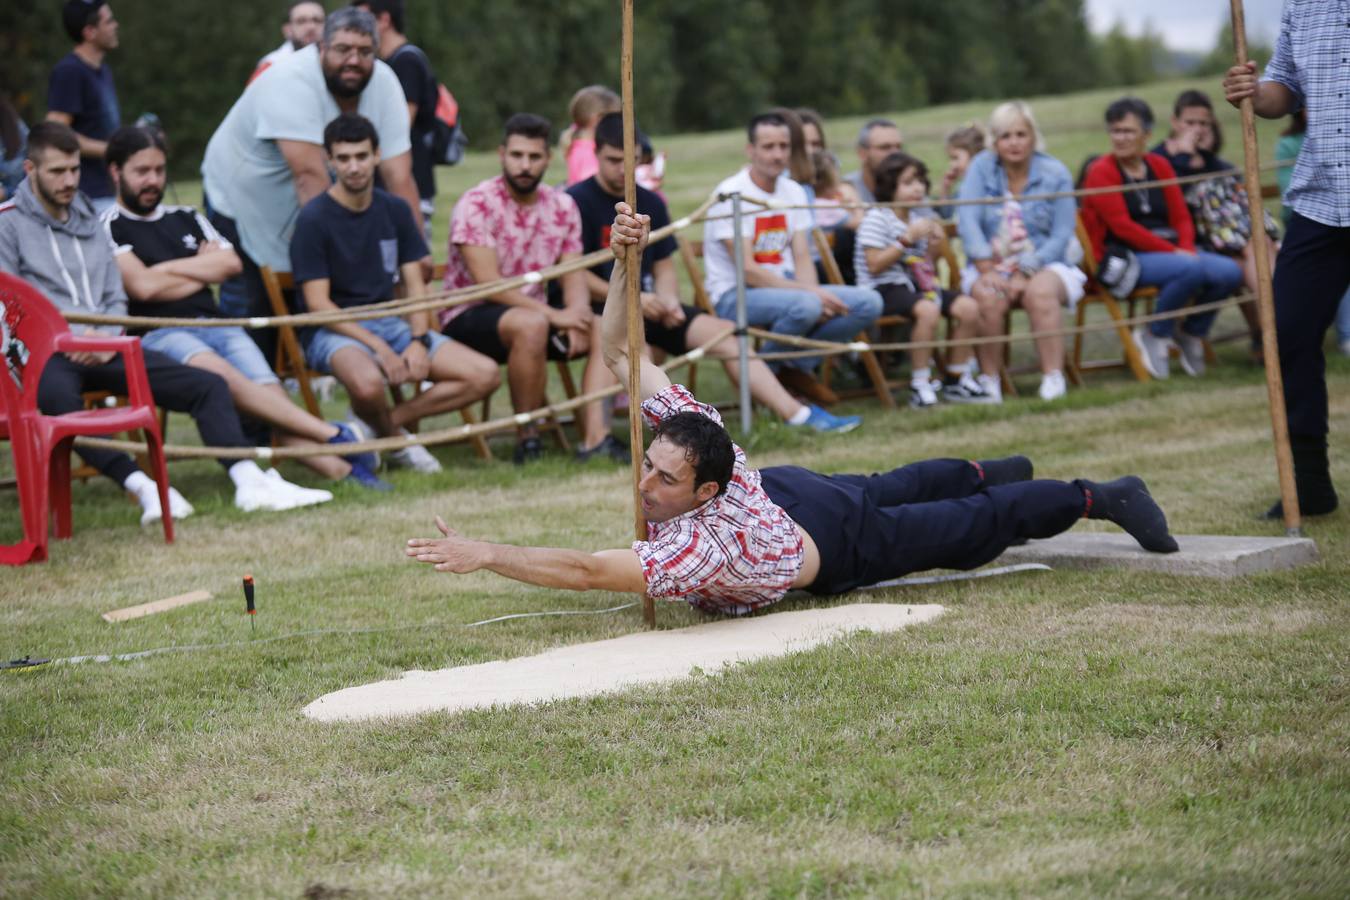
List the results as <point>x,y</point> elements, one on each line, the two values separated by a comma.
<point>729,539</point>
<point>352,246</point>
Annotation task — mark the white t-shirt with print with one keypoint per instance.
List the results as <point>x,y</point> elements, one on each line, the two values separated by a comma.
<point>771,229</point>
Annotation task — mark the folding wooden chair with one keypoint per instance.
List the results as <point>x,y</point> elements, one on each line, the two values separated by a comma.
<point>1095,293</point>
<point>290,361</point>
<point>871,365</point>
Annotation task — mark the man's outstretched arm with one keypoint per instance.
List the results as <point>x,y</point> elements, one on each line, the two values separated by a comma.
<point>628,230</point>
<point>573,570</point>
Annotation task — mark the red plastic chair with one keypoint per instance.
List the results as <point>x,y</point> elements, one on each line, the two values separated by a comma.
<point>31,330</point>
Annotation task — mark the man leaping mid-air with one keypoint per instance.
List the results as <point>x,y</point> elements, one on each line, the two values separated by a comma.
<point>730,539</point>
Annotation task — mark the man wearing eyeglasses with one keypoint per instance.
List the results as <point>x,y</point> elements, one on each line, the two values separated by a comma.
<point>266,160</point>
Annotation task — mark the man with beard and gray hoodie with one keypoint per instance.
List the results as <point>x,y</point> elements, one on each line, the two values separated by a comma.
<point>51,238</point>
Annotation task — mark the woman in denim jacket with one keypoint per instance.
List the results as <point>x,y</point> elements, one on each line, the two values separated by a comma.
<point>1020,252</point>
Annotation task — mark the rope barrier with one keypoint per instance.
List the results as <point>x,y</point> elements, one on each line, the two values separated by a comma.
<point>432,439</point>
<point>445,299</point>
<point>403,306</point>
<point>812,348</point>
<point>835,348</point>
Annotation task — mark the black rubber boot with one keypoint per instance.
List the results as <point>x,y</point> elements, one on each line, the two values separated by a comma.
<point>1127,502</point>
<point>1312,478</point>
<point>1005,471</point>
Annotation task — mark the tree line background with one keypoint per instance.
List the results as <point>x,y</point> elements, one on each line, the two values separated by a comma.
<point>699,64</point>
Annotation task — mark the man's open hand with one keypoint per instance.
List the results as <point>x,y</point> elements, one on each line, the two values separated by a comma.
<point>451,553</point>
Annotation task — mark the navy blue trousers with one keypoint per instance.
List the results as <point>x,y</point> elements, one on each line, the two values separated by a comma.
<point>936,514</point>
<point>1312,273</point>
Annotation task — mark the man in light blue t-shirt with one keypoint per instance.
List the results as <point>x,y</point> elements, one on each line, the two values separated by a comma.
<point>266,160</point>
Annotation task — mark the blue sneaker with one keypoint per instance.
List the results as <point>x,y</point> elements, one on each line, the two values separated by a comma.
<point>367,479</point>
<point>820,420</point>
<point>369,460</point>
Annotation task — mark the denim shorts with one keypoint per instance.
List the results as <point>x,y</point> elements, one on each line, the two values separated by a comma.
<point>231,344</point>
<point>321,343</point>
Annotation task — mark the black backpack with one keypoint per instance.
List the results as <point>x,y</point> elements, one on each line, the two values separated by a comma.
<point>446,138</point>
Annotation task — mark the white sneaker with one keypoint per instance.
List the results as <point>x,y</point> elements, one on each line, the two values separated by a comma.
<point>992,387</point>
<point>415,457</point>
<point>1345,347</point>
<point>307,496</point>
<point>1192,354</point>
<point>1053,385</point>
<point>922,395</point>
<point>274,493</point>
<point>151,512</point>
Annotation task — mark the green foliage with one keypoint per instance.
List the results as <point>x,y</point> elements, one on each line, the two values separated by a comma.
<point>700,64</point>
<point>1220,58</point>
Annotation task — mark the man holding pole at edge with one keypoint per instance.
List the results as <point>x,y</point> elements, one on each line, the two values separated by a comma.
<point>729,539</point>
<point>1308,71</point>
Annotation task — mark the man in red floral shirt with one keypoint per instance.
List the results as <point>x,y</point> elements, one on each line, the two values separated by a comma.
<point>510,226</point>
<point>729,539</point>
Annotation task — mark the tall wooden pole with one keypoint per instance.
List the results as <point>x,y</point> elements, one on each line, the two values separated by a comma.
<point>635,329</point>
<point>1284,457</point>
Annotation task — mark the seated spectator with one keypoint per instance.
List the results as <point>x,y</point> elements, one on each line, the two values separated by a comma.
<point>878,139</point>
<point>895,255</point>
<point>671,326</point>
<point>353,245</point>
<point>509,226</point>
<point>813,130</point>
<point>836,200</point>
<point>1192,147</point>
<point>962,145</point>
<point>169,257</point>
<point>1021,252</point>
<point>577,142</point>
<point>782,292</point>
<point>1155,225</point>
<point>50,237</point>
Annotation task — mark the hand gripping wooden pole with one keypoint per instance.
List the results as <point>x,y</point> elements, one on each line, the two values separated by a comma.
<point>1265,302</point>
<point>634,267</point>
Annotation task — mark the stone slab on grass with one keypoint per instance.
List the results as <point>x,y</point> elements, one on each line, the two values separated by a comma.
<point>1206,556</point>
<point>581,670</point>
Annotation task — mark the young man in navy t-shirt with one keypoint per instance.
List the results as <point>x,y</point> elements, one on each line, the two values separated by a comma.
<point>80,92</point>
<point>352,246</point>
<point>670,325</point>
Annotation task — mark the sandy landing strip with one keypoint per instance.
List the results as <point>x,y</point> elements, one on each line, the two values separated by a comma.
<point>581,670</point>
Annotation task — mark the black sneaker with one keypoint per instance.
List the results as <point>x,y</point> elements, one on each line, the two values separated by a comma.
<point>610,447</point>
<point>529,449</point>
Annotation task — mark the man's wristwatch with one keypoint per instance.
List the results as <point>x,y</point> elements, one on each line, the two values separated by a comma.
<point>424,340</point>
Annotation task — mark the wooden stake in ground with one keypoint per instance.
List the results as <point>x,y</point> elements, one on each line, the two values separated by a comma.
<point>635,329</point>
<point>1265,302</point>
<point>155,606</point>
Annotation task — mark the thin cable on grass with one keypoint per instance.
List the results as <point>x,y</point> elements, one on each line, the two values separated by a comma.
<point>193,648</point>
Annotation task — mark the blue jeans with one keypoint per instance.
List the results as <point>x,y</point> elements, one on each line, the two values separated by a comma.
<point>1206,277</point>
<point>321,343</point>
<point>796,312</point>
<point>231,344</point>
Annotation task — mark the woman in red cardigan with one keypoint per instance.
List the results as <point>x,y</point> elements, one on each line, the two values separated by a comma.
<point>1156,225</point>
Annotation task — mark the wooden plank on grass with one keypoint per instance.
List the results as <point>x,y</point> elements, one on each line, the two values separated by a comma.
<point>156,606</point>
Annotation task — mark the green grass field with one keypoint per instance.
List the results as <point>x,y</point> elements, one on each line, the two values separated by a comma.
<point>1054,734</point>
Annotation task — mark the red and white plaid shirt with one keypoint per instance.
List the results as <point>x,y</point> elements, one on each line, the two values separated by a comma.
<point>732,555</point>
